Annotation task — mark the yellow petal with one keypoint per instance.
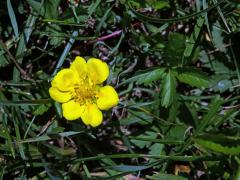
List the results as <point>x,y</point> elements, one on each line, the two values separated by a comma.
<point>107,98</point>
<point>92,115</point>
<point>72,110</point>
<point>98,70</point>
<point>59,96</point>
<point>65,80</point>
<point>79,65</point>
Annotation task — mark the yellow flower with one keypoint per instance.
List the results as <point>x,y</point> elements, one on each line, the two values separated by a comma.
<point>79,90</point>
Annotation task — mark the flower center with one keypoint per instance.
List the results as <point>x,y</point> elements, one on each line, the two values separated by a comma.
<point>85,93</point>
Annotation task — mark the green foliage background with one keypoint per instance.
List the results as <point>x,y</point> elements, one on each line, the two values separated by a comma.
<point>174,64</point>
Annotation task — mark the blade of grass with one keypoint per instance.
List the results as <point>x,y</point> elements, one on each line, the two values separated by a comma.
<point>118,44</point>
<point>161,141</point>
<point>92,8</point>
<point>205,6</point>
<point>65,52</point>
<point>25,102</point>
<point>222,16</point>
<point>17,119</point>
<point>24,38</point>
<point>191,43</point>
<point>2,172</point>
<point>207,119</point>
<point>103,19</point>
<point>29,126</point>
<point>8,135</point>
<point>12,18</point>
<point>158,20</point>
<point>86,171</point>
<point>164,157</point>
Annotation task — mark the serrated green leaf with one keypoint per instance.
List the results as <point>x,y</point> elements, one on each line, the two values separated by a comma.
<point>168,89</point>
<point>219,143</point>
<point>141,144</point>
<point>193,78</point>
<point>55,33</point>
<point>41,109</point>
<point>147,77</point>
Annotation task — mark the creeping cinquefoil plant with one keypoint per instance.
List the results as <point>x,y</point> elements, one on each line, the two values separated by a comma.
<point>79,89</point>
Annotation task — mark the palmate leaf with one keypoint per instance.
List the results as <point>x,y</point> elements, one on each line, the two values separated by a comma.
<point>168,89</point>
<point>193,77</point>
<point>219,143</point>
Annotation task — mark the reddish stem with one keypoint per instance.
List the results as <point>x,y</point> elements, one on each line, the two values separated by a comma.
<point>113,34</point>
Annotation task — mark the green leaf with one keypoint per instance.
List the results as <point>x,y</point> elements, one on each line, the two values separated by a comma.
<point>174,49</point>
<point>37,6</point>
<point>168,89</point>
<point>48,9</point>
<point>92,8</point>
<point>165,177</point>
<point>41,109</point>
<point>54,32</point>
<point>218,39</point>
<point>176,133</point>
<point>136,117</point>
<point>147,77</point>
<point>219,143</point>
<point>159,4</point>
<point>151,76</point>
<point>140,143</point>
<point>193,78</point>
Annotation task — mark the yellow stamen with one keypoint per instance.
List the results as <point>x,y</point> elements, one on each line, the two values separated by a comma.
<point>85,93</point>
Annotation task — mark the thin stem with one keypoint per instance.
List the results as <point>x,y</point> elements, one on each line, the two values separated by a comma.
<point>14,60</point>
